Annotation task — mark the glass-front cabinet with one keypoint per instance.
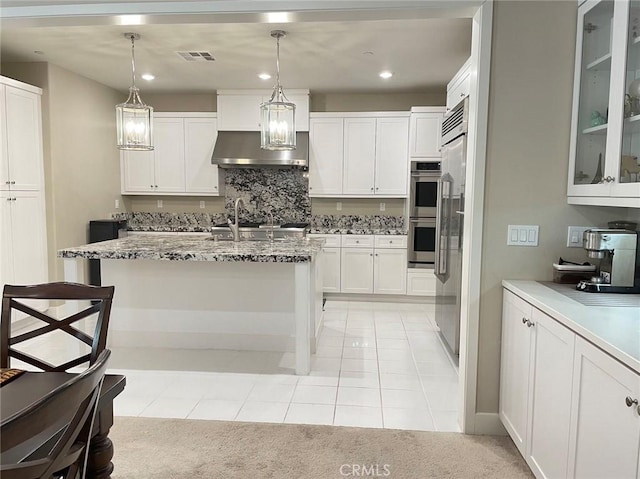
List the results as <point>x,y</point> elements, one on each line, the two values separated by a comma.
<point>604,164</point>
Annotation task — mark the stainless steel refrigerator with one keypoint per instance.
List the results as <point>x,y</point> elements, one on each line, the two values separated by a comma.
<point>449,225</point>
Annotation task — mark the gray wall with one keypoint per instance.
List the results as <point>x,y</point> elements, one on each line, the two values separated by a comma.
<point>527,155</point>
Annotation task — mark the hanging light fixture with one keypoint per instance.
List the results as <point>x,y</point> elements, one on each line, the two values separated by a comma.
<point>133,118</point>
<point>278,130</point>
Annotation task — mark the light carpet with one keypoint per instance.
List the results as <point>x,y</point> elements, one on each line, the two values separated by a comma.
<point>183,448</point>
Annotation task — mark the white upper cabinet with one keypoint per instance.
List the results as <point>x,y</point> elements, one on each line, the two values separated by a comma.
<point>180,163</point>
<point>425,132</point>
<point>604,161</point>
<point>21,155</point>
<point>392,140</point>
<point>359,154</point>
<point>460,85</point>
<point>326,156</point>
<point>239,110</point>
<point>199,139</point>
<point>169,155</point>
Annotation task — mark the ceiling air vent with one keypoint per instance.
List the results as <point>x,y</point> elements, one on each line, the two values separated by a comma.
<point>197,56</point>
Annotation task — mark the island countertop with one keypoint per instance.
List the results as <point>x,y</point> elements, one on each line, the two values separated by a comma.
<point>197,248</point>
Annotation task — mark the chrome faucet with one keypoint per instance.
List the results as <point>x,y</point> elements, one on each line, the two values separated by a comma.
<point>235,226</point>
<point>270,226</point>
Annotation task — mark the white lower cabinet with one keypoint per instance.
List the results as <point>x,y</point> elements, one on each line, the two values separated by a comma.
<point>364,264</point>
<point>605,419</point>
<point>23,257</point>
<point>356,270</point>
<point>563,401</point>
<point>421,282</point>
<point>331,270</point>
<point>535,385</point>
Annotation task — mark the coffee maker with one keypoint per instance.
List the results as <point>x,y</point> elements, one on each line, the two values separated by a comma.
<point>619,253</point>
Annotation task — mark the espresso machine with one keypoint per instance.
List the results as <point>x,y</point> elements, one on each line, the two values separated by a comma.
<point>619,253</point>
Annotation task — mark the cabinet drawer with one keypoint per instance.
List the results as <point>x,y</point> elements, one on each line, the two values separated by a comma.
<point>357,241</point>
<point>330,241</point>
<point>390,241</point>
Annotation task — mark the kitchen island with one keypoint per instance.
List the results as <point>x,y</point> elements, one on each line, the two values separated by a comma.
<point>189,291</point>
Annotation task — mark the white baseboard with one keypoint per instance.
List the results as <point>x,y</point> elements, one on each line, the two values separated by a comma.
<point>200,340</point>
<point>489,424</point>
<point>380,298</point>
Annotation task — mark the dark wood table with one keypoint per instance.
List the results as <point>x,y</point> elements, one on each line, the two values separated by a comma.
<point>31,386</point>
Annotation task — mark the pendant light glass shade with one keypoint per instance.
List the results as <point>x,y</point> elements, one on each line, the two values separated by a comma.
<point>134,119</point>
<point>278,115</point>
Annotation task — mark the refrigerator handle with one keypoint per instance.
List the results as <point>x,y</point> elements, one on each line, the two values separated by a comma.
<point>441,257</point>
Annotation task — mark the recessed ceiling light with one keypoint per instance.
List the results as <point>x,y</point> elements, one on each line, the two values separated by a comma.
<point>148,76</point>
<point>386,74</point>
<point>264,76</point>
<point>367,53</point>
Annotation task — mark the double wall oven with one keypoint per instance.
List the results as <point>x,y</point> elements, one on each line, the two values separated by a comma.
<point>423,205</point>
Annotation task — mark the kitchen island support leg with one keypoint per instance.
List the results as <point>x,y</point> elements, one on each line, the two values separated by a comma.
<point>304,312</point>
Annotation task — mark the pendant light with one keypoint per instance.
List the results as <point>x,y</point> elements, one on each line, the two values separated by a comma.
<point>133,118</point>
<point>278,128</point>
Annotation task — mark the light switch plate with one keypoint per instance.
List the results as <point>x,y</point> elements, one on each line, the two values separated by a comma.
<point>339,206</point>
<point>383,206</point>
<point>159,203</point>
<point>574,236</point>
<point>523,235</point>
<point>117,204</point>
<point>202,205</point>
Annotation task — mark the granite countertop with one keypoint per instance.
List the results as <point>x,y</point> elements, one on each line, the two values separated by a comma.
<point>173,247</point>
<point>614,329</point>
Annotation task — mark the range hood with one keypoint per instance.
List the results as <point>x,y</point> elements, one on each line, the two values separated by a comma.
<point>241,149</point>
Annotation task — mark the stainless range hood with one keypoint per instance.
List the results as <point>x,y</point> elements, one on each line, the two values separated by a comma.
<point>241,149</point>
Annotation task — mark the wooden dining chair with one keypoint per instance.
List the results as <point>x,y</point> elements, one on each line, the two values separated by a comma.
<point>13,299</point>
<point>62,420</point>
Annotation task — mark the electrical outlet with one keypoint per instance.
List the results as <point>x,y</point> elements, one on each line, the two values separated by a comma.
<point>383,206</point>
<point>339,206</point>
<point>117,204</point>
<point>523,235</point>
<point>574,236</point>
<point>202,205</point>
<point>159,203</point>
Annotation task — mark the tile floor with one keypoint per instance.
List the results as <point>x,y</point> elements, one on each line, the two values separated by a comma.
<point>377,365</point>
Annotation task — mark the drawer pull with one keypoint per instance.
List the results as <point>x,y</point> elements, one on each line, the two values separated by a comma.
<point>524,320</point>
<point>390,242</point>
<point>630,402</point>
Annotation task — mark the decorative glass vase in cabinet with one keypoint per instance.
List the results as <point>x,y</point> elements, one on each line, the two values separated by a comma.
<point>630,154</point>
<point>595,78</point>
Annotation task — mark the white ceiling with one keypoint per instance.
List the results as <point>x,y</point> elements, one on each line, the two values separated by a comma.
<point>322,56</point>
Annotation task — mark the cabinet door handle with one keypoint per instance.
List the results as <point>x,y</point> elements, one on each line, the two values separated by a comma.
<point>390,242</point>
<point>461,95</point>
<point>8,199</point>
<point>376,254</point>
<point>372,188</point>
<point>13,182</point>
<point>630,402</point>
<point>156,186</point>
<point>371,254</point>
<point>150,186</point>
<point>7,182</point>
<point>527,322</point>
